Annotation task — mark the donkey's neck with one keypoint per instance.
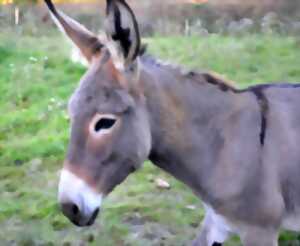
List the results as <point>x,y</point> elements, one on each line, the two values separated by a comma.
<point>188,113</point>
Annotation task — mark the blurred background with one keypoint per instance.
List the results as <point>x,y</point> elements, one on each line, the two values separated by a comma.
<point>248,42</point>
<point>168,17</point>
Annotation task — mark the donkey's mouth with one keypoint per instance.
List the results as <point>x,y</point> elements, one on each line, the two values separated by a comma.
<point>81,222</point>
<point>78,218</point>
<point>93,218</point>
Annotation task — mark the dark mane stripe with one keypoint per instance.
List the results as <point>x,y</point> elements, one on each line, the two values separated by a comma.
<point>214,79</point>
<point>228,86</point>
<point>264,108</point>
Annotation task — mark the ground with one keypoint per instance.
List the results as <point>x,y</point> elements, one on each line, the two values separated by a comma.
<point>36,80</point>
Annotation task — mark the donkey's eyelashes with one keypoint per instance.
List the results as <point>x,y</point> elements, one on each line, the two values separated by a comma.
<point>104,124</point>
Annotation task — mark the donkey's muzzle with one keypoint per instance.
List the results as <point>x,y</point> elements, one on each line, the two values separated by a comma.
<point>79,202</point>
<point>77,217</point>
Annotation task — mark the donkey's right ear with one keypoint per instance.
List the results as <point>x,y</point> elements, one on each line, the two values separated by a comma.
<point>122,32</point>
<point>86,41</point>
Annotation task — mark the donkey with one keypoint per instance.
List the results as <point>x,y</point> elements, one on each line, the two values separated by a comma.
<point>236,149</point>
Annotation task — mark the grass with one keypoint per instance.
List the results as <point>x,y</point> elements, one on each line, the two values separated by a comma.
<point>36,79</point>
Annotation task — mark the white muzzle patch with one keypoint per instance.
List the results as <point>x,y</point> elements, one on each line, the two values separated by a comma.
<point>74,190</point>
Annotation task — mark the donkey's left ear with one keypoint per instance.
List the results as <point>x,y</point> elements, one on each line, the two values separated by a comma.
<point>86,41</point>
<point>122,32</point>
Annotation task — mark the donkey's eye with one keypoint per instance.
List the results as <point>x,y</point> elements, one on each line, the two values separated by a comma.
<point>104,124</point>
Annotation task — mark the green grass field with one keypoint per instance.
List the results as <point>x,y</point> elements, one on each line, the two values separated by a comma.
<point>36,80</point>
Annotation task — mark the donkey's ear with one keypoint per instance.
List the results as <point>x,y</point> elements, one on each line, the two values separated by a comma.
<point>86,41</point>
<point>122,32</point>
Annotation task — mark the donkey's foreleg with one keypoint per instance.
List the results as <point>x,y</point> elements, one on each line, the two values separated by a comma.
<point>202,238</point>
<point>211,234</point>
<point>260,237</point>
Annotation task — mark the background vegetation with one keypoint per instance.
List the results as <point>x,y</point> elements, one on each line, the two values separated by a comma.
<point>37,76</point>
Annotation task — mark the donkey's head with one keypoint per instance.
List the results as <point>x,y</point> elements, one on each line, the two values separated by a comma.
<point>110,134</point>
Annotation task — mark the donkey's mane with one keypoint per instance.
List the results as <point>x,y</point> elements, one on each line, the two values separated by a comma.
<point>209,77</point>
<point>193,75</point>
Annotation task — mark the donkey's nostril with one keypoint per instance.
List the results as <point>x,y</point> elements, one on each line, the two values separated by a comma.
<point>75,209</point>
<point>70,210</point>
